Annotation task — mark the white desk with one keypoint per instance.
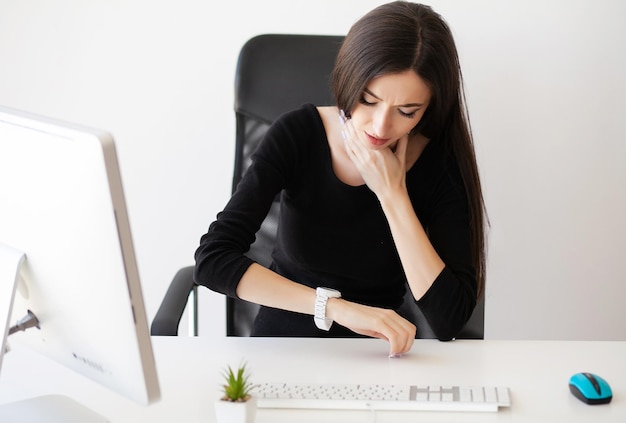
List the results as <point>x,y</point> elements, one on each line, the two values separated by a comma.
<point>537,373</point>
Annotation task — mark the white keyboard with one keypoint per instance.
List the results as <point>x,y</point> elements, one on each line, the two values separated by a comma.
<point>382,397</point>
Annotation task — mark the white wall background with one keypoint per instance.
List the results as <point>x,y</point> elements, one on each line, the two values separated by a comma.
<point>545,85</point>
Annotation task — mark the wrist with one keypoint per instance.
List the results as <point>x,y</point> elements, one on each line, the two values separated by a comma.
<point>332,308</point>
<point>390,198</point>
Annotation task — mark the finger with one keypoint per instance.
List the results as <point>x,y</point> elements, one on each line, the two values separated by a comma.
<point>411,330</point>
<point>406,337</point>
<point>400,343</point>
<point>352,146</point>
<point>350,134</point>
<point>399,332</point>
<point>401,148</point>
<point>342,122</point>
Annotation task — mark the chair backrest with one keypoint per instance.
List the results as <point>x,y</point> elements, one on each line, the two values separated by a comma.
<point>277,73</point>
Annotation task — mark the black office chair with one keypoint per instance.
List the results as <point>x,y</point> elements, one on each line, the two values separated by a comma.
<point>275,73</point>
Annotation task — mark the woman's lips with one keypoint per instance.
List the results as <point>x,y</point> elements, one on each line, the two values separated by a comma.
<point>376,141</point>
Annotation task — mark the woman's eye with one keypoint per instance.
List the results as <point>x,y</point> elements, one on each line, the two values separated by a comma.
<point>363,101</point>
<point>410,115</point>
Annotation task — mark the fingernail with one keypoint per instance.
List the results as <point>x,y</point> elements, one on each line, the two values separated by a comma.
<point>342,116</point>
<point>343,134</point>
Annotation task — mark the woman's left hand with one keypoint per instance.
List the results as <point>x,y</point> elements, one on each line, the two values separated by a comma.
<point>383,170</point>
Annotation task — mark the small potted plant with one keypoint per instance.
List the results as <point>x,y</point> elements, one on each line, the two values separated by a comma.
<point>237,405</point>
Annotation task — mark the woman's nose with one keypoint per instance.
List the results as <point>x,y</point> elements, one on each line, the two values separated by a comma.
<point>381,123</point>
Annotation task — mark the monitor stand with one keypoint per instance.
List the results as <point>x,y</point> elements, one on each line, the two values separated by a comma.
<point>46,408</point>
<point>10,262</point>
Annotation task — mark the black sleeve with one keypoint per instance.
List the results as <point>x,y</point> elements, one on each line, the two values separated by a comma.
<point>220,258</point>
<point>451,299</point>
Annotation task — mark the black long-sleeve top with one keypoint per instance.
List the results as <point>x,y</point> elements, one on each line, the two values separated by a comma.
<point>335,235</point>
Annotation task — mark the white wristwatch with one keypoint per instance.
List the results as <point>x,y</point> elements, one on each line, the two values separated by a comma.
<point>323,294</point>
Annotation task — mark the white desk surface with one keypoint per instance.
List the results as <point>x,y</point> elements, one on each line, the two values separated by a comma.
<point>537,372</point>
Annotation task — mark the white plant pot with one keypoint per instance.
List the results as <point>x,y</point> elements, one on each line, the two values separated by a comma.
<point>235,412</point>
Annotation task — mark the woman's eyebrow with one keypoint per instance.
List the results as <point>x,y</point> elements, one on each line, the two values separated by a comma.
<point>400,105</point>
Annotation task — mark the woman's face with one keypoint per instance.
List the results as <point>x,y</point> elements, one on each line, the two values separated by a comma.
<point>389,108</point>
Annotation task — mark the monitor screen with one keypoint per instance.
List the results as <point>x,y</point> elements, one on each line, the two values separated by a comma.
<point>63,207</point>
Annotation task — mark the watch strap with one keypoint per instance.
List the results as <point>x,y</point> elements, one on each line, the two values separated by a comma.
<point>321,300</point>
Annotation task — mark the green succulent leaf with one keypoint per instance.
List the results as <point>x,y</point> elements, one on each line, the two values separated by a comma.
<point>237,386</point>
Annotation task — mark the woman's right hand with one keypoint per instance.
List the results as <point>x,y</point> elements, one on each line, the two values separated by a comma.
<point>375,322</point>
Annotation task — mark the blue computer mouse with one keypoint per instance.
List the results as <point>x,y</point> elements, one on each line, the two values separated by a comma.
<point>590,388</point>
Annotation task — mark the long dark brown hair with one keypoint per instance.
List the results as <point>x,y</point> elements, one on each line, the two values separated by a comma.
<point>400,36</point>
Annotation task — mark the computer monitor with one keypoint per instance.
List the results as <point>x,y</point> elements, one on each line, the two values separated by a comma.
<point>63,208</point>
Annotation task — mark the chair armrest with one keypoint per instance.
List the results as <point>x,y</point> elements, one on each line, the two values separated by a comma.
<point>171,310</point>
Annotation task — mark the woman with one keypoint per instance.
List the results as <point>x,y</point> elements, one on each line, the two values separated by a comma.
<point>382,194</point>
